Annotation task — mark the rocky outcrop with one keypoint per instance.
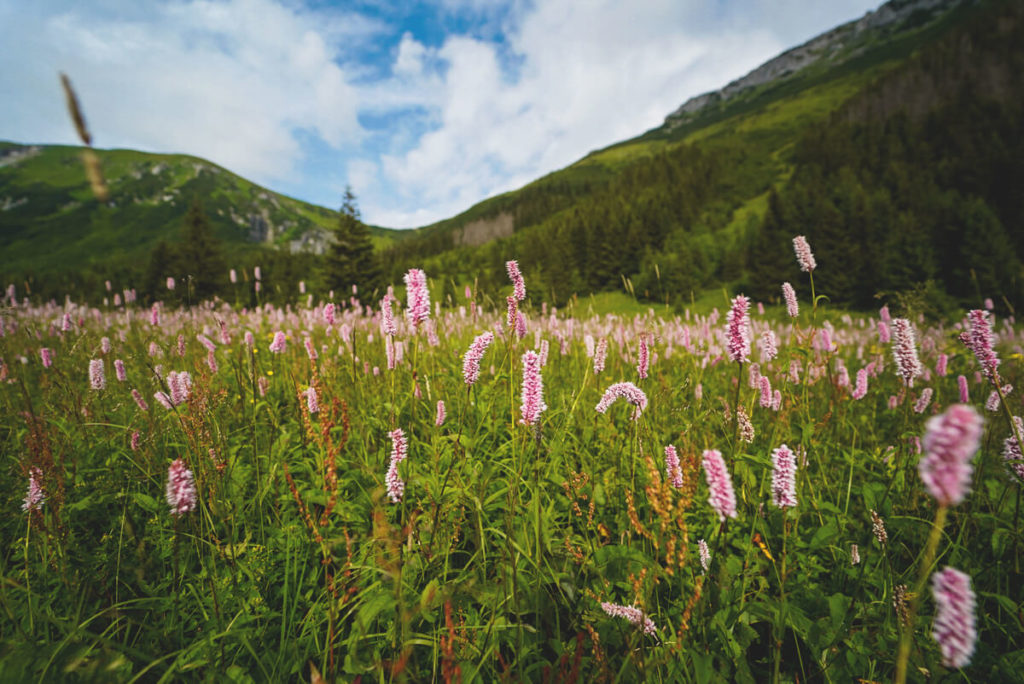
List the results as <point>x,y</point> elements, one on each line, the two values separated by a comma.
<point>484,230</point>
<point>835,46</point>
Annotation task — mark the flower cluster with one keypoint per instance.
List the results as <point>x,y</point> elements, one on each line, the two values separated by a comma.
<point>399,451</point>
<point>634,615</point>
<point>954,628</point>
<point>471,360</point>
<point>533,389</point>
<point>630,392</point>
<point>418,296</point>
<point>722,498</point>
<point>950,441</point>
<point>804,257</point>
<point>737,330</point>
<point>784,477</point>
<point>904,351</point>
<point>181,488</point>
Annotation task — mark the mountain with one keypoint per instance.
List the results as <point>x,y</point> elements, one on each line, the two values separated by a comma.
<point>911,112</point>
<point>49,219</point>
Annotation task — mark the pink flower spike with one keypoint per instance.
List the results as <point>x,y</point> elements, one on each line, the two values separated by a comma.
<point>181,488</point>
<point>46,355</point>
<point>1011,450</point>
<point>784,477</point>
<point>441,414</point>
<point>518,284</point>
<point>471,360</point>
<point>961,383</point>
<point>904,351</point>
<point>137,396</point>
<point>633,615</point>
<point>980,340</point>
<point>34,495</point>
<point>722,497</point>
<point>399,445</point>
<point>97,378</point>
<point>950,441</point>
<point>311,400</point>
<point>737,331</point>
<point>861,389</point>
<point>122,376</point>
<point>627,390</point>
<point>277,346</point>
<point>672,469</point>
<point>766,392</point>
<point>387,317</point>
<point>600,353</point>
<point>533,390</point>
<point>418,296</point>
<point>643,363</point>
<point>804,257</point>
<point>954,627</point>
<point>922,402</point>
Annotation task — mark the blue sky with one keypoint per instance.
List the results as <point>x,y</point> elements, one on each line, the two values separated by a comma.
<point>423,107</point>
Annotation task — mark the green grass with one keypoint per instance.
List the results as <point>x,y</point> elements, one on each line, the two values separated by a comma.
<point>508,537</point>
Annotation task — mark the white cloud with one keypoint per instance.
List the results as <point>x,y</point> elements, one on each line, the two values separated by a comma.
<point>230,81</point>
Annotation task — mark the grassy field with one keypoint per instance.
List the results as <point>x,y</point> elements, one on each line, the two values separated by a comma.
<point>532,538</point>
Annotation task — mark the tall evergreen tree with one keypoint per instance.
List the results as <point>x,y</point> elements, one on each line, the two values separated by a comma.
<point>350,259</point>
<point>201,257</point>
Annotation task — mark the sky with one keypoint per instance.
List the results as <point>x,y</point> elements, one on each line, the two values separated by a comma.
<point>424,108</point>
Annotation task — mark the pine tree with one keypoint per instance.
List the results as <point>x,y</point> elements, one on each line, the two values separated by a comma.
<point>350,259</point>
<point>201,257</point>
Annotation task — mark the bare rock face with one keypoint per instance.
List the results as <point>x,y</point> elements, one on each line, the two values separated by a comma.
<point>484,230</point>
<point>836,46</point>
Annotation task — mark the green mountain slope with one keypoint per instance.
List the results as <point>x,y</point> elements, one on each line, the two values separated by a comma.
<point>50,221</point>
<point>683,207</point>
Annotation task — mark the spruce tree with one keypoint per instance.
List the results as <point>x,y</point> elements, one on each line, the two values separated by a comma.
<point>201,257</point>
<point>350,259</point>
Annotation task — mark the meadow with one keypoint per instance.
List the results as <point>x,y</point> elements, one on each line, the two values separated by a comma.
<point>469,490</point>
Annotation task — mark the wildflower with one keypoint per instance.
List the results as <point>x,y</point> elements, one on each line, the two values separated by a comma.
<point>211,361</point>
<point>899,602</point>
<point>722,497</point>
<point>181,488</point>
<point>783,477</point>
<point>97,378</point>
<point>672,469</point>
<point>746,427</point>
<point>803,254</point>
<point>769,347</point>
<point>34,496</point>
<point>777,400</point>
<point>520,325</point>
<point>471,360</point>
<point>854,555</point>
<point>884,334</point>
<point>518,284</point>
<point>961,383</point>
<point>418,296</point>
<point>181,346</point>
<point>766,392</point>
<point>256,273</point>
<point>794,372</point>
<point>302,287</point>
<point>643,363</point>
<point>633,615</point>
<point>599,356</point>
<point>137,396</point>
<point>278,344</point>
<point>329,313</point>
<point>630,392</point>
<point>1011,450</point>
<point>170,283</point>
<point>310,349</point>
<point>705,555</point>
<point>311,401</point>
<point>46,355</point>
<point>387,317</point>
<point>878,528</point>
<point>940,365</point>
<point>119,370</point>
<point>134,443</point>
<point>164,400</point>
<point>65,323</point>
<point>441,414</point>
<point>979,339</point>
<point>202,339</point>
<point>543,352</point>
<point>233,275</point>
<point>992,403</point>
<point>698,391</point>
<point>180,385</point>
<point>399,451</point>
<point>861,388</point>
<point>954,627</point>
<point>738,330</point>
<point>904,351</point>
<point>533,391</point>
<point>950,441</point>
<point>922,402</point>
<point>105,345</point>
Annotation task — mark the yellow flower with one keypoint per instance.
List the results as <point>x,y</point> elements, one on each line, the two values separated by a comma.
<point>270,372</point>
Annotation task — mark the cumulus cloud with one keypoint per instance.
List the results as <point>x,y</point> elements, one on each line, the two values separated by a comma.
<point>305,100</point>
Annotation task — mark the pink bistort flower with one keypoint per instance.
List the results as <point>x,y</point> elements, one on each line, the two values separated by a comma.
<point>784,477</point>
<point>181,488</point>
<point>722,497</point>
<point>627,390</point>
<point>737,330</point>
<point>954,627</point>
<point>533,389</point>
<point>804,257</point>
<point>950,441</point>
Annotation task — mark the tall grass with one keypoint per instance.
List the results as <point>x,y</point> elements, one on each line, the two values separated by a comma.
<point>509,537</point>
